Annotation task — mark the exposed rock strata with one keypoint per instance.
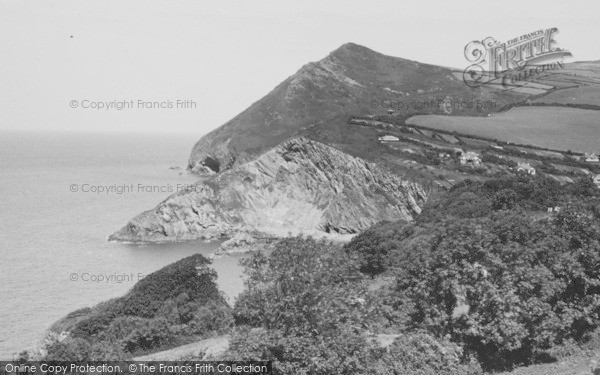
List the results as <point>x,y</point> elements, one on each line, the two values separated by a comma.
<point>300,186</point>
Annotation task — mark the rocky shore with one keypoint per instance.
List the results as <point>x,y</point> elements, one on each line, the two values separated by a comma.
<point>299,187</point>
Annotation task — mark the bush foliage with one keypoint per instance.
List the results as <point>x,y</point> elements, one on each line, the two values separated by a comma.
<point>489,268</point>
<point>486,278</point>
<point>178,301</point>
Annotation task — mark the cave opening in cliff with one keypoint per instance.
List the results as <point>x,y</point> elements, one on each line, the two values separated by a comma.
<point>211,163</point>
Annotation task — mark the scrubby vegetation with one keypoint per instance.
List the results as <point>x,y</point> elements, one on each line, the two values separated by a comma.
<point>306,307</point>
<point>167,308</point>
<point>485,279</point>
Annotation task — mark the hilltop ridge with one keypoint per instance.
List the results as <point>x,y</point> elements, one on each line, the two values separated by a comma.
<point>351,80</point>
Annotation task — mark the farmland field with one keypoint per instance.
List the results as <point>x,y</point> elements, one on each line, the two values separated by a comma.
<point>558,128</point>
<point>578,95</point>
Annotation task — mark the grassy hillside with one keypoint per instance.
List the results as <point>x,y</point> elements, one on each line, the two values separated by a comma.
<point>352,80</point>
<point>356,81</point>
<point>416,154</point>
<point>577,84</point>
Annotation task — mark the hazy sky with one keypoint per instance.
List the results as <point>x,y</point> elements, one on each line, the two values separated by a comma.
<point>224,55</point>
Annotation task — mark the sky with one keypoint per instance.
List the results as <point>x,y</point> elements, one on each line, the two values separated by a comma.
<point>61,60</point>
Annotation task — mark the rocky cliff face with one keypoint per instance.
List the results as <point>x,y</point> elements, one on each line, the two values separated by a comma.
<point>351,80</point>
<point>300,186</point>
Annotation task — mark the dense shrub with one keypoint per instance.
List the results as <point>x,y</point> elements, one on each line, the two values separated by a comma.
<point>298,287</point>
<point>79,349</point>
<point>179,300</point>
<point>304,307</point>
<point>506,283</point>
<point>472,199</point>
<point>210,318</point>
<point>506,287</point>
<point>76,349</point>
<point>422,354</point>
<point>373,249</point>
<point>504,199</point>
<point>189,275</point>
<point>337,352</point>
<point>151,334</point>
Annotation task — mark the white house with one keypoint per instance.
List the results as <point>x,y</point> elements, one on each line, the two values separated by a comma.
<point>592,158</point>
<point>388,138</point>
<point>525,167</point>
<point>470,158</point>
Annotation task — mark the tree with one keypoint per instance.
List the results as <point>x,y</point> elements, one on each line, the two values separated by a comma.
<point>504,200</point>
<point>298,286</point>
<point>372,252</point>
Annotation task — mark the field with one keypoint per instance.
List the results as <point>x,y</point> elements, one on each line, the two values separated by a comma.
<point>579,95</point>
<point>557,128</point>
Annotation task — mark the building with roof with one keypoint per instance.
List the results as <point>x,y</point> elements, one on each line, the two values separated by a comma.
<point>526,167</point>
<point>470,158</point>
<point>388,138</point>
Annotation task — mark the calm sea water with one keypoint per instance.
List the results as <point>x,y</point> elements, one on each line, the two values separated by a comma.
<point>51,235</point>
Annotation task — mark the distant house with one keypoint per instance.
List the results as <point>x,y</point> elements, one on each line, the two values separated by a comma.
<point>470,158</point>
<point>390,111</point>
<point>443,155</point>
<point>388,138</point>
<point>592,158</point>
<point>498,147</point>
<point>525,167</point>
<point>443,185</point>
<point>458,151</point>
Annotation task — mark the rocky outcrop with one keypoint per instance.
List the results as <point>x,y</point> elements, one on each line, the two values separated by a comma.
<point>300,186</point>
<point>240,243</point>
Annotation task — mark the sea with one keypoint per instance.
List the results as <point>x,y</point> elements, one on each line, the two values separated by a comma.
<point>62,194</point>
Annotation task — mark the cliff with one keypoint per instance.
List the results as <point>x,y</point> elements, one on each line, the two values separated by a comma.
<point>300,186</point>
